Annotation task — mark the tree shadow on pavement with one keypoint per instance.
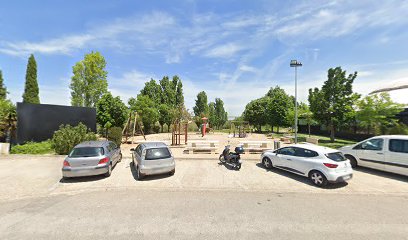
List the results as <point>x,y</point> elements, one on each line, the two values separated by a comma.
<point>301,179</point>
<point>380,173</point>
<point>149,177</point>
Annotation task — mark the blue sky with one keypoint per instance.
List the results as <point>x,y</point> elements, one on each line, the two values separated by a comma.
<point>235,50</point>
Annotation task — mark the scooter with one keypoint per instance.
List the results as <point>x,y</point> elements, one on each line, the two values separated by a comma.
<point>232,159</point>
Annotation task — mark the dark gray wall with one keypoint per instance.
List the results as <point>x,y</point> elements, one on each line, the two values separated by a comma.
<point>38,122</point>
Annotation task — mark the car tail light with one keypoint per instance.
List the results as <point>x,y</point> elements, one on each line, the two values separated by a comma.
<point>330,165</point>
<point>66,163</point>
<point>103,160</point>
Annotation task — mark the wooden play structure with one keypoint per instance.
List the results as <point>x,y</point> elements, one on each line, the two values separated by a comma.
<point>239,129</point>
<point>132,128</point>
<point>179,132</point>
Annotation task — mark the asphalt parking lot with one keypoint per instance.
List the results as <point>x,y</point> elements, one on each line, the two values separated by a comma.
<point>32,176</point>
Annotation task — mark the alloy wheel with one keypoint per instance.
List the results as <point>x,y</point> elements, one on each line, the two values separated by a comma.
<point>317,178</point>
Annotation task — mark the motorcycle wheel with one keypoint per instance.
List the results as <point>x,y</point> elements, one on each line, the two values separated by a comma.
<point>238,166</point>
<point>221,158</point>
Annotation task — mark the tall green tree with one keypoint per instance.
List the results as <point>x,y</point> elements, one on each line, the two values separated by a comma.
<point>279,108</point>
<point>153,91</point>
<point>168,91</point>
<point>212,118</point>
<point>145,107</point>
<point>256,112</point>
<point>201,107</point>
<point>165,115</point>
<point>306,115</point>
<point>89,81</point>
<point>3,89</point>
<point>31,90</point>
<point>333,103</point>
<point>179,93</point>
<point>221,116</point>
<point>111,111</point>
<point>377,112</point>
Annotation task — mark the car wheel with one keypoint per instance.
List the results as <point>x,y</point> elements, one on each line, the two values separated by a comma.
<point>120,158</point>
<point>267,163</point>
<point>352,160</point>
<point>318,178</point>
<point>172,172</point>
<point>109,172</point>
<point>139,176</point>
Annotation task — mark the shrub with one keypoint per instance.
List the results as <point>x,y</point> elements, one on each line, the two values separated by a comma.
<point>115,135</point>
<point>399,128</point>
<point>68,136</point>
<point>33,148</point>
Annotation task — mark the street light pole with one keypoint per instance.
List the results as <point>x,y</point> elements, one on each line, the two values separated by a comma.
<point>296,64</point>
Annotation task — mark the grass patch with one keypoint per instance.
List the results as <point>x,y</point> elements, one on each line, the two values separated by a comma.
<point>323,140</point>
<point>33,148</point>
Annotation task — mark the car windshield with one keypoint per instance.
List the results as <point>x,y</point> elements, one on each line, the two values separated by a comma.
<point>336,156</point>
<point>157,153</point>
<point>86,152</point>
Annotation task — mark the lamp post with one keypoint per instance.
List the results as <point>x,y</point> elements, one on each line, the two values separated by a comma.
<point>295,64</point>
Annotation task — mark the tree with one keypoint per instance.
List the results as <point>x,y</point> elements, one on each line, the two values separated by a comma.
<point>201,107</point>
<point>146,109</point>
<point>279,107</point>
<point>8,118</point>
<point>89,81</point>
<point>333,103</point>
<point>31,90</point>
<point>165,116</point>
<point>179,93</point>
<point>153,91</point>
<point>111,111</point>
<point>221,116</point>
<point>3,89</point>
<point>212,118</point>
<point>256,112</point>
<point>306,115</point>
<point>377,112</point>
<point>168,92</point>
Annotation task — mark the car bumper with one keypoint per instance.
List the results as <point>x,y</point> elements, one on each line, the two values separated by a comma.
<point>340,177</point>
<point>157,170</point>
<point>84,171</point>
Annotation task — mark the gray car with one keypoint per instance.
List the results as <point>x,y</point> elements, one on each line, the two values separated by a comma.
<point>152,158</point>
<point>91,158</point>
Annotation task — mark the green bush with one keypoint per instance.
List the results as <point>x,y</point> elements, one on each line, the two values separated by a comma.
<point>68,136</point>
<point>399,129</point>
<point>115,135</point>
<point>33,148</point>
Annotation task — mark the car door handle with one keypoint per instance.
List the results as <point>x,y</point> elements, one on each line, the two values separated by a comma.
<point>380,153</point>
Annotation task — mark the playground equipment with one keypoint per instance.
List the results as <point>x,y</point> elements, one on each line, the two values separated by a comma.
<point>132,128</point>
<point>239,129</point>
<point>179,129</point>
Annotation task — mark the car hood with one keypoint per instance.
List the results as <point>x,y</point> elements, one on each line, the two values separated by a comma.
<point>348,147</point>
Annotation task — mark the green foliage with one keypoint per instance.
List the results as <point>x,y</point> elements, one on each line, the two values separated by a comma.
<point>221,115</point>
<point>68,136</point>
<point>33,148</point>
<point>333,103</point>
<point>306,115</point>
<point>31,90</point>
<point>201,107</point>
<point>212,119</point>
<point>397,129</point>
<point>8,117</point>
<point>115,135</point>
<point>166,115</point>
<point>111,111</point>
<point>3,89</point>
<point>179,92</point>
<point>89,81</point>
<point>153,91</point>
<point>377,112</point>
<point>168,92</point>
<point>279,108</point>
<point>256,112</point>
<point>146,109</point>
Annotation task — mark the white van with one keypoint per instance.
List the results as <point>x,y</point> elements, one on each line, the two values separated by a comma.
<point>388,153</point>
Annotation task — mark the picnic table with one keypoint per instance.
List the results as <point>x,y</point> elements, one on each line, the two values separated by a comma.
<point>255,146</point>
<point>203,146</point>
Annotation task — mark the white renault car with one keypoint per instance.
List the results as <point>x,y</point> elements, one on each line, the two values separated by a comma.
<point>322,165</point>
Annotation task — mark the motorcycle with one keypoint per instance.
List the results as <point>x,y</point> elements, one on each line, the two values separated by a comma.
<point>232,159</point>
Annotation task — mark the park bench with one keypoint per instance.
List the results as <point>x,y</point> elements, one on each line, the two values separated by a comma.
<point>287,139</point>
<point>208,146</point>
<point>312,140</point>
<point>255,146</point>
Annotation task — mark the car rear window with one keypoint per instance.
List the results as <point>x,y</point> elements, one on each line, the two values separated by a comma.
<point>336,156</point>
<point>157,153</point>
<point>397,145</point>
<point>86,152</point>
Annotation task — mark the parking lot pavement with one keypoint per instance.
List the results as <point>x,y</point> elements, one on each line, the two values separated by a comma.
<point>29,176</point>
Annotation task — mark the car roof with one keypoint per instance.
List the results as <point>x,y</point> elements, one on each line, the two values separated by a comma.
<point>314,147</point>
<point>405,137</point>
<point>153,144</point>
<point>101,143</point>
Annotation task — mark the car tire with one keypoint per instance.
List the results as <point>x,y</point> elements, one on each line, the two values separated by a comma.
<point>352,160</point>
<point>120,158</point>
<point>109,172</point>
<point>318,178</point>
<point>267,163</point>
<point>139,176</point>
<point>172,172</point>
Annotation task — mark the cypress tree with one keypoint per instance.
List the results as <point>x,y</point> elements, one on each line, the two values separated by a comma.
<point>31,90</point>
<point>3,89</point>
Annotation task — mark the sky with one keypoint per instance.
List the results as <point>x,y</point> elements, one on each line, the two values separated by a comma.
<point>234,50</point>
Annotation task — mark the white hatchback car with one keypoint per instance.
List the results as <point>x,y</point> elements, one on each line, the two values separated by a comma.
<point>322,165</point>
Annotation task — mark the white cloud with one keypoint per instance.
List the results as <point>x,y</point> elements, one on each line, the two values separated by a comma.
<point>225,51</point>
